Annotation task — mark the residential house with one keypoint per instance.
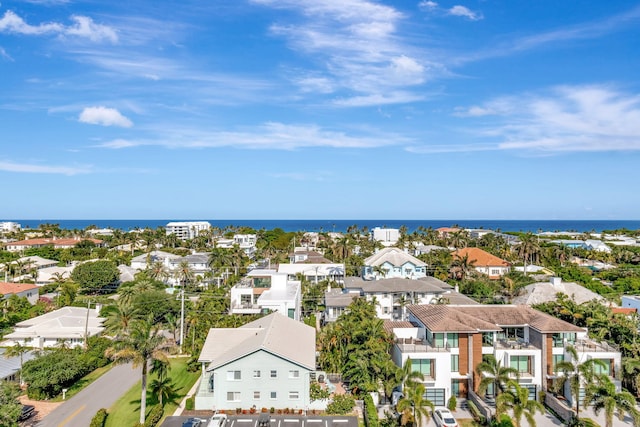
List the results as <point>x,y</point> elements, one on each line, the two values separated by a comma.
<point>267,363</point>
<point>631,301</point>
<point>10,366</point>
<point>8,227</point>
<point>393,262</point>
<point>246,242</point>
<point>314,273</point>
<point>386,236</point>
<point>197,262</point>
<point>26,290</point>
<point>541,292</point>
<point>447,342</point>
<point>446,232</point>
<point>484,262</point>
<point>391,296</point>
<point>185,230</point>
<point>265,290</point>
<point>304,255</point>
<point>68,325</point>
<point>57,243</point>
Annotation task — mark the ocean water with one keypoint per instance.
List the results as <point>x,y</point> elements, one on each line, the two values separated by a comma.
<point>328,225</point>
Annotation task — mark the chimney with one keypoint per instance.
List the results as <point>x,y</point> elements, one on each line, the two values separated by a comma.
<point>555,281</point>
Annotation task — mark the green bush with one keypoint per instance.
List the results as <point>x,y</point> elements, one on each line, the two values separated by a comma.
<point>154,416</point>
<point>370,412</point>
<point>342,404</point>
<point>190,404</point>
<point>99,418</point>
<point>452,404</point>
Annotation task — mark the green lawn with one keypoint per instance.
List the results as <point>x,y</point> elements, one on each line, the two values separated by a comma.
<point>83,382</point>
<point>126,411</point>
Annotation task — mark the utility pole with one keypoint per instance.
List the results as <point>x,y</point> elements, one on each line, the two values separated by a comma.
<point>182,317</point>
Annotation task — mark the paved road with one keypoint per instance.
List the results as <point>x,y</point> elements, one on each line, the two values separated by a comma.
<point>102,393</point>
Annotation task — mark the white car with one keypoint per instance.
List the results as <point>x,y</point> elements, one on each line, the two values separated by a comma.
<point>444,418</point>
<point>218,420</point>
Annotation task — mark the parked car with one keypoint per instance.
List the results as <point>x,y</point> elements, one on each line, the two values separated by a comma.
<point>444,418</point>
<point>264,419</point>
<point>193,422</point>
<point>218,420</point>
<point>27,412</point>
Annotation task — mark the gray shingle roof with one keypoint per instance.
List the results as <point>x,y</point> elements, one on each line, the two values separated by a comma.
<point>394,256</point>
<point>397,284</point>
<point>274,333</point>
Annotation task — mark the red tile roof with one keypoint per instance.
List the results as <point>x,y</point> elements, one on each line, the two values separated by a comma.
<point>481,258</point>
<point>15,288</point>
<point>623,310</point>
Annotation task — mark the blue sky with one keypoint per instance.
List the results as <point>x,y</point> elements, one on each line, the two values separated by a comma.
<point>342,109</point>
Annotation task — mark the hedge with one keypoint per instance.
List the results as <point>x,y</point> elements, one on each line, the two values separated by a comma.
<point>154,416</point>
<point>370,412</point>
<point>99,418</point>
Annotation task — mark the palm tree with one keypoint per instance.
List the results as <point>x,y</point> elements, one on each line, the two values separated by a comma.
<point>184,274</point>
<point>604,396</point>
<point>462,266</point>
<point>493,373</point>
<point>576,374</point>
<point>516,399</point>
<point>17,350</point>
<point>142,344</point>
<point>528,249</point>
<point>162,388</point>
<point>413,406</point>
<point>120,320</point>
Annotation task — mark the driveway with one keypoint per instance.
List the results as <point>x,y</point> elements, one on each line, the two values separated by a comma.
<point>102,393</point>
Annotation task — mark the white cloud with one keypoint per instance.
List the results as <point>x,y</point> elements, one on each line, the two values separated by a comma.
<point>31,168</point>
<point>5,55</point>
<point>104,116</point>
<point>565,119</point>
<point>82,27</point>
<point>427,4</point>
<point>268,136</point>
<point>357,48</point>
<point>465,12</point>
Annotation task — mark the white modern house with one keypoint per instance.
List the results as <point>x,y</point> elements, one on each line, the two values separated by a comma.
<point>9,226</point>
<point>268,363</point>
<point>447,342</point>
<point>185,230</point>
<point>198,264</point>
<point>314,273</point>
<point>393,262</point>
<point>265,290</point>
<point>68,325</point>
<point>386,236</point>
<point>246,242</point>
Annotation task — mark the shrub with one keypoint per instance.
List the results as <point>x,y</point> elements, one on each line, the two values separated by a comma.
<point>452,404</point>
<point>99,418</point>
<point>190,403</point>
<point>154,416</point>
<point>370,412</point>
<point>342,404</point>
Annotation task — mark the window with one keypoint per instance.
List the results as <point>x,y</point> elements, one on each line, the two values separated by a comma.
<point>256,374</point>
<point>385,310</point>
<point>273,395</point>
<point>256,395</point>
<point>274,374</point>
<point>291,313</point>
<point>455,361</point>
<point>556,359</point>
<point>521,363</point>
<point>436,340</point>
<point>294,395</point>
<point>294,374</point>
<point>456,388</point>
<point>233,376</point>
<point>495,272</point>
<point>487,339</point>
<point>233,396</point>
<point>452,340</point>
<point>558,340</point>
<point>600,369</point>
<point>425,366</point>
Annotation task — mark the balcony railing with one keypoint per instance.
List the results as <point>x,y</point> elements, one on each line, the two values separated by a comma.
<point>413,345</point>
<point>585,346</point>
